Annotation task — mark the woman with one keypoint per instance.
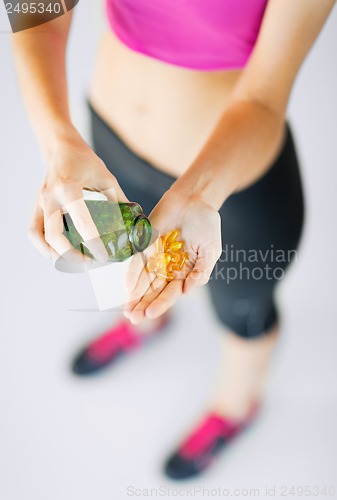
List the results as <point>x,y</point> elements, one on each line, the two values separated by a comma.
<point>188,105</point>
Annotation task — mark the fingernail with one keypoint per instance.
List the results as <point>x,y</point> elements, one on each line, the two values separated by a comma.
<point>149,313</point>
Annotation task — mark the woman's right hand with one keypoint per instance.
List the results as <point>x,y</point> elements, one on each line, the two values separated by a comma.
<point>71,167</point>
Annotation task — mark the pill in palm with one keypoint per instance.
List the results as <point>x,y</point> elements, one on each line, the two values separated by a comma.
<point>173,247</point>
<point>171,237</point>
<point>170,256</point>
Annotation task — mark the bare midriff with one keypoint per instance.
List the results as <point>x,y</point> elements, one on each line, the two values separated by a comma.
<point>164,113</point>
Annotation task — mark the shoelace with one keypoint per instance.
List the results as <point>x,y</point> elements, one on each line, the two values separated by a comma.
<point>204,436</point>
<point>121,335</point>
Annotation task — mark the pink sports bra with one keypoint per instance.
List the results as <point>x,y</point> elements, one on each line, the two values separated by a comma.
<point>197,34</point>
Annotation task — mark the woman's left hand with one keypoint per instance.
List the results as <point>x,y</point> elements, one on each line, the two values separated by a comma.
<point>199,226</point>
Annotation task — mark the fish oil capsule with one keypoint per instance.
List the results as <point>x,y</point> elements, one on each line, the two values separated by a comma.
<point>175,257</point>
<point>161,267</point>
<point>176,245</point>
<point>175,267</point>
<point>181,263</point>
<point>161,259</point>
<point>171,237</point>
<point>161,256</point>
<point>169,257</point>
<point>151,264</point>
<point>184,257</point>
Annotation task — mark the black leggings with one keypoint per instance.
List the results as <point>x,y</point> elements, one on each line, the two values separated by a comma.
<point>261,228</point>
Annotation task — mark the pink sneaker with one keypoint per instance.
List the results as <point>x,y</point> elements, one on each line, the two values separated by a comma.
<point>201,447</point>
<point>103,351</point>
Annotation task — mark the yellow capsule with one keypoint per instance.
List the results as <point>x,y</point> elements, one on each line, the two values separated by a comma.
<point>161,267</point>
<point>169,257</point>
<point>179,260</point>
<point>173,247</point>
<point>174,267</point>
<point>181,263</point>
<point>161,260</point>
<point>151,264</point>
<point>163,240</point>
<point>161,256</point>
<point>175,257</point>
<point>171,237</point>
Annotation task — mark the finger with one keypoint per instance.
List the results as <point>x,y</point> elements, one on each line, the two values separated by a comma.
<point>36,232</point>
<point>86,227</point>
<point>147,283</point>
<point>137,315</point>
<point>136,266</point>
<point>53,223</point>
<point>166,299</point>
<point>112,190</point>
<point>200,273</point>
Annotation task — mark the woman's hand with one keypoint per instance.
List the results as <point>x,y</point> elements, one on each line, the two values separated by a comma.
<point>72,167</point>
<point>199,226</point>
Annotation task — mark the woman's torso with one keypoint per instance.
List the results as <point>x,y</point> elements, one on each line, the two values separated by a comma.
<point>163,112</point>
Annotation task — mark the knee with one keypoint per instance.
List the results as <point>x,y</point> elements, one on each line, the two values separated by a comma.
<point>247,317</point>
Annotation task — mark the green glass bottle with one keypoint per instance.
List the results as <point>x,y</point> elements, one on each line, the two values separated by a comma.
<point>123,228</point>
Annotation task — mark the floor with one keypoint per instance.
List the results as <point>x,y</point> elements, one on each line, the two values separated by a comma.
<point>66,438</point>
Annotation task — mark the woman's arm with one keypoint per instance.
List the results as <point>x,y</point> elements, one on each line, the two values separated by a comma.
<point>240,149</point>
<point>39,55</point>
<point>245,140</point>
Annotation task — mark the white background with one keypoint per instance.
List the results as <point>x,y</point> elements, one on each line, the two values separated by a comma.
<point>66,438</point>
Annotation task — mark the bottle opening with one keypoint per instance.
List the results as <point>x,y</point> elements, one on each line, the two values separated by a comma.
<point>141,233</point>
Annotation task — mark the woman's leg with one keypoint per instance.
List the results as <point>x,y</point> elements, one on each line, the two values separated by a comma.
<point>243,373</point>
<point>261,228</point>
